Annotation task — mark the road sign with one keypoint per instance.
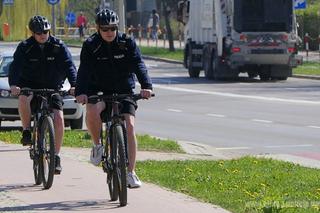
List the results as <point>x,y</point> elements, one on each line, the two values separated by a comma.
<point>8,2</point>
<point>300,4</point>
<point>71,18</point>
<point>53,1</point>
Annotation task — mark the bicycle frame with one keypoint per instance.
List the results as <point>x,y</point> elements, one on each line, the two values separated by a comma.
<point>42,150</point>
<point>115,157</point>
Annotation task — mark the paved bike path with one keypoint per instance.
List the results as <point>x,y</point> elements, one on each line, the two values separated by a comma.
<point>81,187</point>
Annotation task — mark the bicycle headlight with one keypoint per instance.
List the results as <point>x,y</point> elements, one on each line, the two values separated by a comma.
<point>5,93</point>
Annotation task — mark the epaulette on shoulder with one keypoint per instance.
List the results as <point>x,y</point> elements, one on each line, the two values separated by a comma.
<point>26,46</point>
<point>122,41</point>
<point>92,37</point>
<point>93,43</point>
<point>56,44</point>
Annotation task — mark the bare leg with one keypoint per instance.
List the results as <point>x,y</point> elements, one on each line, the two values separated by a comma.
<point>59,129</point>
<point>25,111</point>
<point>93,120</point>
<point>132,142</point>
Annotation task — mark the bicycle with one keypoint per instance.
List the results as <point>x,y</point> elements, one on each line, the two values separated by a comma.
<point>114,139</point>
<point>42,149</point>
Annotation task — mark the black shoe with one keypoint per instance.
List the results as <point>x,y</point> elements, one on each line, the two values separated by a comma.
<point>58,167</point>
<point>26,138</point>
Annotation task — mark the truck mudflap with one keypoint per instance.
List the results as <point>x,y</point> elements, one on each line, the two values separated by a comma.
<point>296,60</point>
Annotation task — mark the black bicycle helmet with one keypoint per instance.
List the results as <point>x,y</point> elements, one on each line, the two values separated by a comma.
<point>38,24</point>
<point>107,17</point>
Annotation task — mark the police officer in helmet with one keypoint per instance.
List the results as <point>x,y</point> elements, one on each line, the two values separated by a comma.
<point>109,62</point>
<point>41,61</point>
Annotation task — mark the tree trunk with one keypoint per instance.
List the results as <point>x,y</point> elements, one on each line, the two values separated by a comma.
<point>166,11</point>
<point>1,7</point>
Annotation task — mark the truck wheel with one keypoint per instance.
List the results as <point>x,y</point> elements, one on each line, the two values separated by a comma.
<point>193,72</point>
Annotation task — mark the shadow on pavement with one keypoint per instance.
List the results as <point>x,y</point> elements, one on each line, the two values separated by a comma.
<point>13,150</point>
<point>80,205</point>
<point>10,128</point>
<point>27,187</point>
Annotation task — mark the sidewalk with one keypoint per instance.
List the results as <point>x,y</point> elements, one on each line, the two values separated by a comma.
<point>81,187</point>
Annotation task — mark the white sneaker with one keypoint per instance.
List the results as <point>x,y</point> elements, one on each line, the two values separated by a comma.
<point>96,154</point>
<point>133,180</point>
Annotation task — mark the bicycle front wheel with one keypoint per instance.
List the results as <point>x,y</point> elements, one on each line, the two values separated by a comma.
<point>35,158</point>
<point>47,152</point>
<point>120,162</point>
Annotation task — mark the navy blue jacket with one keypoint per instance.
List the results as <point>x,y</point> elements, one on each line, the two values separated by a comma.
<point>110,67</point>
<point>42,68</point>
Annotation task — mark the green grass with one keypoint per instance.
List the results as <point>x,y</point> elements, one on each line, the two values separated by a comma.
<point>308,68</point>
<point>150,51</point>
<point>148,143</point>
<point>243,185</point>
<point>83,140</point>
<point>162,53</point>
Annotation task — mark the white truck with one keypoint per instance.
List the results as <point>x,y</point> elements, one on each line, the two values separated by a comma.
<point>228,37</point>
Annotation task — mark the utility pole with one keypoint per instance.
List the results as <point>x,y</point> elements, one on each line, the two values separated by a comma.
<point>119,7</point>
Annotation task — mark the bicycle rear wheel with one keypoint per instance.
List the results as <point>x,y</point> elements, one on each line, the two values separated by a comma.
<point>120,168</point>
<point>35,155</point>
<point>47,152</point>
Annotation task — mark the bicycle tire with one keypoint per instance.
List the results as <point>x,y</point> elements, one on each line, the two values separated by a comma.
<point>113,186</point>
<point>119,138</point>
<point>35,144</point>
<point>47,152</point>
<point>35,154</point>
<point>112,178</point>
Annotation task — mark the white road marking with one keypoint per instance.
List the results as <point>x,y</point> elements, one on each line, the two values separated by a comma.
<point>174,110</point>
<point>151,65</point>
<point>291,88</point>
<point>233,148</point>
<point>315,127</point>
<point>216,115</point>
<point>289,146</point>
<point>261,121</point>
<point>170,75</point>
<point>224,94</point>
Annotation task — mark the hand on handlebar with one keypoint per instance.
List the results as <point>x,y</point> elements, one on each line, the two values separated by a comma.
<point>71,91</point>
<point>82,99</point>
<point>15,90</point>
<point>146,93</point>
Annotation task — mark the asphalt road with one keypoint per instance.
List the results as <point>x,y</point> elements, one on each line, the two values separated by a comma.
<point>241,117</point>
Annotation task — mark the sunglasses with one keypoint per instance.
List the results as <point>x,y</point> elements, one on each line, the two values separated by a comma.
<point>43,32</point>
<point>106,29</point>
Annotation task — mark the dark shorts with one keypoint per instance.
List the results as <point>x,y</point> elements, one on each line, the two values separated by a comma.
<point>127,106</point>
<point>55,102</point>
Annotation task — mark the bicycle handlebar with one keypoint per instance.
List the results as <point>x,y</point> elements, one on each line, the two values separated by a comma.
<point>45,91</point>
<point>114,97</point>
